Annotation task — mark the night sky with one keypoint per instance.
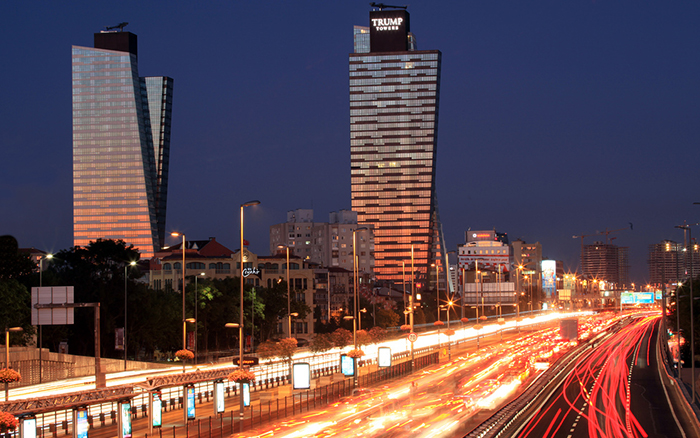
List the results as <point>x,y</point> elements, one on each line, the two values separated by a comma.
<point>557,118</point>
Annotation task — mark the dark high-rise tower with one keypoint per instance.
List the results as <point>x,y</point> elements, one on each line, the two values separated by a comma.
<point>121,145</point>
<point>394,96</point>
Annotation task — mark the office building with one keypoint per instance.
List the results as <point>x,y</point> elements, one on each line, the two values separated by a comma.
<point>394,100</point>
<point>121,145</point>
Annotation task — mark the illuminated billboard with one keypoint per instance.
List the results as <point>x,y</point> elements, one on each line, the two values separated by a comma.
<point>156,409</point>
<point>189,399</point>
<point>347,365</point>
<point>301,374</point>
<point>219,402</point>
<point>384,357</point>
<point>549,278</point>
<point>125,419</point>
<point>388,31</point>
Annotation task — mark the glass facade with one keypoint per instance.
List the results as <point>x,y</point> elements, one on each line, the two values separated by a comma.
<point>394,100</point>
<point>121,142</point>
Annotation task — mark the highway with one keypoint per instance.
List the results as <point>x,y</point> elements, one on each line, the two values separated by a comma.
<point>612,390</point>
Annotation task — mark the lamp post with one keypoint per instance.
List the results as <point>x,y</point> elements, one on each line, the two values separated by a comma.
<point>126,271</point>
<point>412,303</point>
<point>184,335</point>
<point>403,277</point>
<point>685,228</point>
<point>437,288</point>
<point>41,272</point>
<point>356,275</point>
<point>196,297</point>
<point>7,353</point>
<point>289,299</point>
<point>240,328</point>
<point>354,343</point>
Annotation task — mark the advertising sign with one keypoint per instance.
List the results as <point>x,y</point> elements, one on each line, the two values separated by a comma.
<point>125,419</point>
<point>247,361</point>
<point>549,277</point>
<point>81,423</point>
<point>347,365</point>
<point>246,394</point>
<point>156,410</point>
<point>27,427</point>
<point>659,295</point>
<point>301,375</point>
<point>219,402</point>
<point>384,357</point>
<point>191,414</point>
<point>388,31</point>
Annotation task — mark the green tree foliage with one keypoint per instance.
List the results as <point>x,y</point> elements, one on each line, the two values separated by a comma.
<point>13,264</point>
<point>363,338</point>
<point>342,337</point>
<point>378,334</point>
<point>387,318</point>
<point>15,303</point>
<point>684,307</point>
<point>321,342</point>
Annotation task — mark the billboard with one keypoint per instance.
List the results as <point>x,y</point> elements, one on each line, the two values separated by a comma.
<point>347,365</point>
<point>80,420</point>
<point>627,297</point>
<point>125,419</point>
<point>301,374</point>
<point>189,398</point>
<point>156,409</point>
<point>388,31</point>
<point>549,277</point>
<point>27,427</point>
<point>219,402</point>
<point>384,357</point>
<point>644,297</point>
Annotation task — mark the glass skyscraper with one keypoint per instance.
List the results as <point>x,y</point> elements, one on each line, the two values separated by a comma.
<point>121,145</point>
<point>394,97</point>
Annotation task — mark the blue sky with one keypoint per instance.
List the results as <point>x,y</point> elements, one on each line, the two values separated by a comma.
<point>556,118</point>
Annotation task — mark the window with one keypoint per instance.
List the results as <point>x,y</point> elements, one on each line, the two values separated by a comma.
<point>167,267</point>
<point>177,266</point>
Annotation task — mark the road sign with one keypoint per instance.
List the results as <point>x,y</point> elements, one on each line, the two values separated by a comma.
<point>412,337</point>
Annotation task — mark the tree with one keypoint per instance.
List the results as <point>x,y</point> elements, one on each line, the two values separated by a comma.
<point>97,273</point>
<point>378,334</point>
<point>387,318</point>
<point>341,337</point>
<point>321,342</point>
<point>363,338</point>
<point>13,264</point>
<point>15,304</point>
<point>286,349</point>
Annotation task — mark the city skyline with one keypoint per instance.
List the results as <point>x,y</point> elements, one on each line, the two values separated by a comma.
<point>556,120</point>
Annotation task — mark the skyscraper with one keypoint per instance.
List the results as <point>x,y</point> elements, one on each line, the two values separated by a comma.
<point>121,145</point>
<point>394,96</point>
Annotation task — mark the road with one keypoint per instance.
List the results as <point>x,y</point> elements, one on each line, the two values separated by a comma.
<point>613,390</point>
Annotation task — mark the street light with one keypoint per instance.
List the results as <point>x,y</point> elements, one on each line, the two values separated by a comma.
<point>686,227</point>
<point>354,342</point>
<point>289,299</point>
<point>41,272</point>
<point>356,275</point>
<point>196,297</point>
<point>126,271</point>
<point>7,352</point>
<point>184,338</point>
<point>240,328</point>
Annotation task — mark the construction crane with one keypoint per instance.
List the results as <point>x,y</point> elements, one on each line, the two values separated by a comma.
<point>119,26</point>
<point>381,6</point>
<point>607,232</point>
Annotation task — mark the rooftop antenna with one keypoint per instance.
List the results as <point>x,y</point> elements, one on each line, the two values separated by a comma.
<point>381,6</point>
<point>119,26</point>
